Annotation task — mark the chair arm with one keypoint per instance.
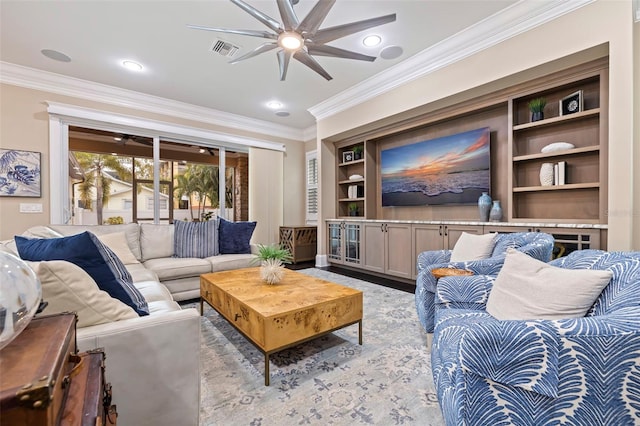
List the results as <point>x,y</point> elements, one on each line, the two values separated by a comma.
<point>464,289</point>
<point>431,257</point>
<point>153,364</point>
<point>531,354</point>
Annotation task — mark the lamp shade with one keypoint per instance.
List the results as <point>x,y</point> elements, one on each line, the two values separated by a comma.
<point>20,294</point>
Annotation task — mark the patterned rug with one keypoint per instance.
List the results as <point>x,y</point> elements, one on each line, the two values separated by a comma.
<point>328,381</point>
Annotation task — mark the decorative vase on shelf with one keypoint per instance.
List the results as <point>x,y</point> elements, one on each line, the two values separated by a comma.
<point>546,174</point>
<point>484,206</point>
<point>537,116</point>
<point>495,215</point>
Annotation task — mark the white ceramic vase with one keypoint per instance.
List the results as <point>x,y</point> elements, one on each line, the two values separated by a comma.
<point>546,174</point>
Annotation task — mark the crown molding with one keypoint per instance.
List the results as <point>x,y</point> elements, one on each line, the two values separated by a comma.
<point>310,133</point>
<point>32,78</point>
<point>509,22</point>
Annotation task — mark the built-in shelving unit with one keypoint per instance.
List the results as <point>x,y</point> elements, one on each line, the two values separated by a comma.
<point>351,163</point>
<point>582,198</point>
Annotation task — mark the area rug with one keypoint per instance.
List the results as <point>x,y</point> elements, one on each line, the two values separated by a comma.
<point>328,381</point>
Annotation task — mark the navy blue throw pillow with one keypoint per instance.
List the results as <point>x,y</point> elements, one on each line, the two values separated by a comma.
<point>234,237</point>
<point>96,259</point>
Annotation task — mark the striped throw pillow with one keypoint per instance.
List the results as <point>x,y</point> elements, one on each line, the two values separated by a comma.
<point>195,239</point>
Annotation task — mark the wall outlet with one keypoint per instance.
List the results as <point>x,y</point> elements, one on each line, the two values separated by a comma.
<point>30,207</point>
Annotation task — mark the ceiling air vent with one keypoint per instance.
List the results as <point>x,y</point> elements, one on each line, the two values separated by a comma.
<point>224,48</point>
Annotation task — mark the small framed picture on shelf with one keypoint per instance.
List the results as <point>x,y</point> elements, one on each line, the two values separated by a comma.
<point>571,104</point>
<point>347,156</point>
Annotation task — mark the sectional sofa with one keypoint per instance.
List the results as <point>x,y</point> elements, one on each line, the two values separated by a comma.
<point>152,361</point>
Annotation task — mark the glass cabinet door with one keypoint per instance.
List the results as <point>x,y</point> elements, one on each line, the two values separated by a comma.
<point>335,241</point>
<point>352,243</point>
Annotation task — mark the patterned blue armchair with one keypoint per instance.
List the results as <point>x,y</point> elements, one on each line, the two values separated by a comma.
<point>580,371</point>
<point>536,244</point>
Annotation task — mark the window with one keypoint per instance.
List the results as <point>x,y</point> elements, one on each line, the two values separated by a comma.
<point>312,187</point>
<point>127,204</point>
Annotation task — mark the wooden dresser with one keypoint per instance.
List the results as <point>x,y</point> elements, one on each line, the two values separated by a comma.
<point>44,381</point>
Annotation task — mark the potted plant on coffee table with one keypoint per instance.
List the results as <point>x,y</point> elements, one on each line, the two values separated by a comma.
<point>272,259</point>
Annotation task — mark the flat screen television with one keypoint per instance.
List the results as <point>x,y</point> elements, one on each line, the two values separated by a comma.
<point>447,170</point>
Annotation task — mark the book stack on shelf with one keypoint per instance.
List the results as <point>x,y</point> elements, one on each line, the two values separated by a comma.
<point>355,191</point>
<point>560,173</point>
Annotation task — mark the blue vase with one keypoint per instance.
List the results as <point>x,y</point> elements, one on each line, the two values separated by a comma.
<point>496,212</point>
<point>484,206</point>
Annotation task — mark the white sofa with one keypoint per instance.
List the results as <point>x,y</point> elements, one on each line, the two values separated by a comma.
<point>152,362</point>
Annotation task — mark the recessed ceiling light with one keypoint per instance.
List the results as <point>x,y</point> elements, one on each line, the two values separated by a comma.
<point>274,104</point>
<point>372,40</point>
<point>55,55</point>
<point>132,66</point>
<point>202,150</point>
<point>282,113</point>
<point>114,154</point>
<point>117,138</point>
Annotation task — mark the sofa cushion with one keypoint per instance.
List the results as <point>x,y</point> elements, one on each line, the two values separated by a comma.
<point>235,236</point>
<point>131,231</point>
<point>195,239</point>
<point>153,291</point>
<point>139,273</point>
<point>175,267</point>
<point>117,242</point>
<point>231,261</point>
<point>473,247</point>
<point>156,241</point>
<point>86,251</point>
<point>161,306</point>
<point>527,289</point>
<point>68,288</point>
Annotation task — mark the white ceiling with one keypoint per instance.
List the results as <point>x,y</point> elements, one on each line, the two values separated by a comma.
<point>98,35</point>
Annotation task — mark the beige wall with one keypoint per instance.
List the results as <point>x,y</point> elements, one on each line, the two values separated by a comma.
<point>24,125</point>
<point>535,53</point>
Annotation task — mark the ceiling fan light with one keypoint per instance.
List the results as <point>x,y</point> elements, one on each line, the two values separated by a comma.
<point>290,40</point>
<point>372,40</point>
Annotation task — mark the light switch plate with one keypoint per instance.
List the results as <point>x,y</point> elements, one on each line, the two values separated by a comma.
<point>30,207</point>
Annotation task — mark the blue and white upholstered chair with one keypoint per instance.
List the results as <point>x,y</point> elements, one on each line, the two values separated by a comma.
<point>577,371</point>
<point>536,244</point>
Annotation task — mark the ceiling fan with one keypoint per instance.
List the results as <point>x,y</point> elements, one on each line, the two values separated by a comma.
<point>301,39</point>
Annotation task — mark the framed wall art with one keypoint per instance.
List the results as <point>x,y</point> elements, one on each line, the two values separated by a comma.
<point>572,103</point>
<point>19,173</point>
<point>347,156</point>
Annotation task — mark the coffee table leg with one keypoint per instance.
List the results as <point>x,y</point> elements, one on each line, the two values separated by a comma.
<point>266,369</point>
<point>201,306</point>
<point>360,332</point>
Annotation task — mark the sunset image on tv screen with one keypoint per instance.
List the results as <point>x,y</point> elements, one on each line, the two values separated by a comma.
<point>451,169</point>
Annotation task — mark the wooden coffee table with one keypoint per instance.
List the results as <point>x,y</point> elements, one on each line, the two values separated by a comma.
<point>276,317</point>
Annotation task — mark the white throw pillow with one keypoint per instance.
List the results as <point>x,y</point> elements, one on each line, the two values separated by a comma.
<point>473,247</point>
<point>527,289</point>
<point>117,242</point>
<point>68,288</point>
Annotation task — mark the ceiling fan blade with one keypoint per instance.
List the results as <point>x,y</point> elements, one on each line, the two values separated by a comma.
<point>333,33</point>
<point>289,18</point>
<point>265,19</point>
<point>335,52</point>
<point>251,33</point>
<point>314,18</point>
<point>308,60</point>
<point>284,57</point>
<point>258,50</point>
